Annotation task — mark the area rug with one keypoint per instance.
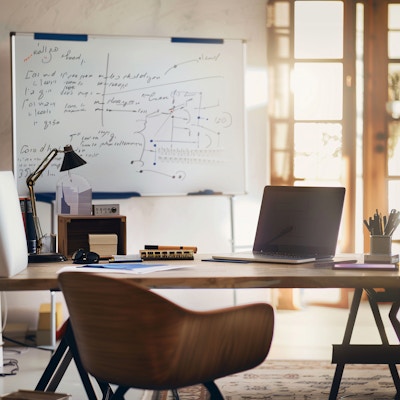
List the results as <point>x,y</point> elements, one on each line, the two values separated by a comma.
<point>295,380</point>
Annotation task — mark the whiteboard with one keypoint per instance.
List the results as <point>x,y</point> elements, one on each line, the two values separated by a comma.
<point>156,116</point>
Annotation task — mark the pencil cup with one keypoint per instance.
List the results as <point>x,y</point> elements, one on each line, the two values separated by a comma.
<point>380,244</point>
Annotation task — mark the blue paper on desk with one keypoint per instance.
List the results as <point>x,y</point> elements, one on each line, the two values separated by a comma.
<point>129,266</point>
<point>135,268</point>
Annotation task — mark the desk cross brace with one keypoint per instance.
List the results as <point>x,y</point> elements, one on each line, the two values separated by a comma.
<point>384,353</point>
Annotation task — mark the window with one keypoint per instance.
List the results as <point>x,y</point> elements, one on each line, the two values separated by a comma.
<point>335,103</point>
<point>310,141</point>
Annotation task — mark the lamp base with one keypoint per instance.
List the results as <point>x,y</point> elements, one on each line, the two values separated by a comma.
<point>45,257</point>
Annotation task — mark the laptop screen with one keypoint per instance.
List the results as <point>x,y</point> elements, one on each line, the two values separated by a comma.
<point>299,220</point>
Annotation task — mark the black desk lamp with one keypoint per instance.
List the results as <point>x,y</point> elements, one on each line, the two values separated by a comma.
<point>71,160</point>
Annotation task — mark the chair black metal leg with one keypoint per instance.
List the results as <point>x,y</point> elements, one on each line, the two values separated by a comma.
<point>57,366</point>
<point>59,362</point>
<point>82,372</point>
<point>106,390</point>
<point>59,373</point>
<point>119,393</point>
<point>214,391</point>
<point>175,394</point>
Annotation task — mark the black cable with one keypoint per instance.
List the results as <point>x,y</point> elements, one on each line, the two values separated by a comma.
<point>23,344</point>
<point>10,362</point>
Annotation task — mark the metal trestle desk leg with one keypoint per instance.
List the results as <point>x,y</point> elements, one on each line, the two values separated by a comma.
<point>384,353</point>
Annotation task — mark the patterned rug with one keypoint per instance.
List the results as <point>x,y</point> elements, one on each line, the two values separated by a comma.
<point>295,380</point>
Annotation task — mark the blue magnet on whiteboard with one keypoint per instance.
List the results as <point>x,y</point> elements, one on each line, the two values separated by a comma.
<point>197,40</point>
<point>61,36</point>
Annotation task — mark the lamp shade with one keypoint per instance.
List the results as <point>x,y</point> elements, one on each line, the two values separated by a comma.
<point>71,159</point>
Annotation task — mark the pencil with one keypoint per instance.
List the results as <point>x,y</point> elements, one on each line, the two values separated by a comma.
<point>157,247</point>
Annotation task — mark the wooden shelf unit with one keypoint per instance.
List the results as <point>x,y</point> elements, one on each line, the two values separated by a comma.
<point>73,231</point>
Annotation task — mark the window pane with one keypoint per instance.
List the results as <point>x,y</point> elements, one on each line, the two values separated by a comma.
<point>318,29</point>
<point>394,44</point>
<point>318,154</point>
<point>318,92</point>
<point>394,16</point>
<point>394,196</point>
<point>394,151</point>
<point>394,30</point>
<point>394,82</point>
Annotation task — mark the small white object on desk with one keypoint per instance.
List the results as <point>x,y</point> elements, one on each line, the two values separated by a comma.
<point>125,258</point>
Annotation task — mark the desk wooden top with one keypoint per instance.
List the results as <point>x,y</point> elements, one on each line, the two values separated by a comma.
<point>202,274</point>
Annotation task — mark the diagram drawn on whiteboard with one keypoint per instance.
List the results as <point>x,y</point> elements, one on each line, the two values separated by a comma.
<point>152,117</point>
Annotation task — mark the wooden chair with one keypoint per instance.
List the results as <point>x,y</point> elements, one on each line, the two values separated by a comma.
<point>132,337</point>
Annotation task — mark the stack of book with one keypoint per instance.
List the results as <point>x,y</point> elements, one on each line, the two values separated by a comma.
<point>27,216</point>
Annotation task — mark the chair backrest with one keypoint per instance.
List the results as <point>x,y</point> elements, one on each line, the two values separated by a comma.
<point>131,336</point>
<point>13,246</point>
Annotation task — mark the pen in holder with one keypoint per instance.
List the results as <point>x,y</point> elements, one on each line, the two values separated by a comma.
<point>381,229</point>
<point>380,244</point>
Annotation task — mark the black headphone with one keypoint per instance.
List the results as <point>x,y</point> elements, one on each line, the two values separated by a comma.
<point>82,256</point>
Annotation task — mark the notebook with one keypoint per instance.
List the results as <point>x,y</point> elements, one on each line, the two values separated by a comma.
<point>296,224</point>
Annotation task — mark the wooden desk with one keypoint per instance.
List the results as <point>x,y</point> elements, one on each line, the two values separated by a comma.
<point>221,275</point>
<point>239,275</point>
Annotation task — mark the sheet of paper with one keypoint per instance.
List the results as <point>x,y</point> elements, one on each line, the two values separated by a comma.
<point>123,268</point>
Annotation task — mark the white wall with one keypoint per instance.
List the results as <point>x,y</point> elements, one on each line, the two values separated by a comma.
<point>204,222</point>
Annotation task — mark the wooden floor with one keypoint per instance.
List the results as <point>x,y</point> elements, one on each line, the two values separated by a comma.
<point>307,333</point>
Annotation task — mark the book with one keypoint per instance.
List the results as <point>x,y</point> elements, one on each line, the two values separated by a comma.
<point>30,227</point>
<point>367,266</point>
<point>35,395</point>
<point>22,203</point>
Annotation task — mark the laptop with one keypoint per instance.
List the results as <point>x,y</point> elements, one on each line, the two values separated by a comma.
<point>297,224</point>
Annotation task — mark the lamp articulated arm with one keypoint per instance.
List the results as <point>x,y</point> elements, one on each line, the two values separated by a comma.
<point>30,181</point>
<point>71,160</point>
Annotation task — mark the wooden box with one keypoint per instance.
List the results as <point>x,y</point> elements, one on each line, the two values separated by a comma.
<point>74,230</point>
<point>106,245</point>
